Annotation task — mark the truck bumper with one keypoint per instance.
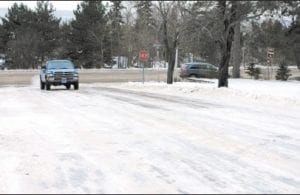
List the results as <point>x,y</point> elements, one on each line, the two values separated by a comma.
<point>62,82</point>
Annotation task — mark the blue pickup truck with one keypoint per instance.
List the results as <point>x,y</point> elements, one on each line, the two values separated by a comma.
<point>59,72</point>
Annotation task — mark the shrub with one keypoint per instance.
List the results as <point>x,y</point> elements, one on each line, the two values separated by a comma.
<point>252,71</point>
<point>283,71</point>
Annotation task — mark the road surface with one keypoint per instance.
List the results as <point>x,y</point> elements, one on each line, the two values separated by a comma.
<point>23,77</point>
<point>111,140</point>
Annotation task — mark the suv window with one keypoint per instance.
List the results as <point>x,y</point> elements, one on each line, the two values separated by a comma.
<point>200,66</point>
<point>212,67</point>
<point>203,66</point>
<point>195,67</point>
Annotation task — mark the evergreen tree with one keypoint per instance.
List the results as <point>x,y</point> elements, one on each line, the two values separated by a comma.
<point>200,34</point>
<point>2,39</point>
<point>253,71</point>
<point>115,25</point>
<point>66,47</point>
<point>145,28</point>
<point>283,71</point>
<point>47,27</point>
<point>144,15</point>
<point>294,34</point>
<point>20,37</point>
<point>270,33</point>
<point>89,33</point>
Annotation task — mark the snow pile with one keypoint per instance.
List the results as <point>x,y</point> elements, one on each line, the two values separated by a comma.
<point>35,81</point>
<point>243,90</point>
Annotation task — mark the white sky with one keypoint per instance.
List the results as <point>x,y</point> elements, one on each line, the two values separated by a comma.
<point>58,5</point>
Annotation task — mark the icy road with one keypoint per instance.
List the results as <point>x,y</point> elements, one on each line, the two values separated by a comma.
<point>109,139</point>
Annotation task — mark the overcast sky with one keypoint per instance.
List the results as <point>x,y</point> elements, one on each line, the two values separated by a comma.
<point>58,5</point>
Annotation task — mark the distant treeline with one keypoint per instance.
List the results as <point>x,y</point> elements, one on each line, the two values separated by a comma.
<point>99,31</point>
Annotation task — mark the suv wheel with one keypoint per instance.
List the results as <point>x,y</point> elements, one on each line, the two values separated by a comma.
<point>42,85</point>
<point>76,86</point>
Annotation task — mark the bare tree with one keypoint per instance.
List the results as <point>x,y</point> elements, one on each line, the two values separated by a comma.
<point>228,16</point>
<point>128,30</point>
<point>231,13</point>
<point>236,48</point>
<point>172,17</point>
<point>246,10</point>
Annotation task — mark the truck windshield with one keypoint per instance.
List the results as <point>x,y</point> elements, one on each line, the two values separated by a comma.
<point>60,65</point>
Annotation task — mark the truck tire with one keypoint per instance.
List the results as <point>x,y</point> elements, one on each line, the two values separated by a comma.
<point>68,86</point>
<point>76,86</point>
<point>42,85</point>
<point>48,86</point>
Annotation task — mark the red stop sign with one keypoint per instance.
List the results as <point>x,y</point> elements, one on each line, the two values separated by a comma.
<point>143,55</point>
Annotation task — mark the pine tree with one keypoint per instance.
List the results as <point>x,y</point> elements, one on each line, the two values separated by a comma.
<point>145,28</point>
<point>47,27</point>
<point>3,39</point>
<point>115,24</point>
<point>65,50</point>
<point>144,15</point>
<point>283,71</point>
<point>294,33</point>
<point>19,35</point>
<point>89,34</point>
<point>253,71</point>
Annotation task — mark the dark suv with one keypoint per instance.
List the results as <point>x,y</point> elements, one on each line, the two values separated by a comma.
<point>59,72</point>
<point>198,69</point>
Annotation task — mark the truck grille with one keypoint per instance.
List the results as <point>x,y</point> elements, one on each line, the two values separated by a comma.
<point>59,75</point>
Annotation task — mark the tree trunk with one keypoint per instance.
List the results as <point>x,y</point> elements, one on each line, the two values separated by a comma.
<point>170,46</point>
<point>223,69</point>
<point>296,49</point>
<point>171,66</point>
<point>169,52</point>
<point>226,45</point>
<point>236,51</point>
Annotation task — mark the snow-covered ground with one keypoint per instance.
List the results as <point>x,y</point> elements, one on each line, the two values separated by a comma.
<point>244,91</point>
<point>151,138</point>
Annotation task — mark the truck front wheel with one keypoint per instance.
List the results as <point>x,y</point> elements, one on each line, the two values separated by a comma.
<point>68,86</point>
<point>48,86</point>
<point>76,86</point>
<point>42,85</point>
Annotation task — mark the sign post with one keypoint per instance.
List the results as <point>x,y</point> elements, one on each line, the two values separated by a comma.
<point>143,56</point>
<point>270,55</point>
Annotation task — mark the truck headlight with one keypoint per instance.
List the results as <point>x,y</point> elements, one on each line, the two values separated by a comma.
<point>75,76</point>
<point>49,77</point>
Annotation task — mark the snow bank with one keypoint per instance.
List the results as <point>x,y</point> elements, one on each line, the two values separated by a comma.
<point>240,90</point>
